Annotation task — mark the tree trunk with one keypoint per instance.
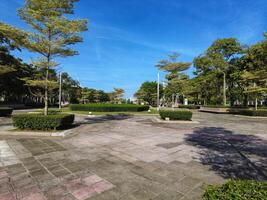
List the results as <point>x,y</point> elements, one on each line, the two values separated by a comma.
<point>256,103</point>
<point>224,89</point>
<point>46,92</point>
<point>245,100</point>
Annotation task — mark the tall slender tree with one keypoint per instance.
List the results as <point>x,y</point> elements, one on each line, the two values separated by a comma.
<point>219,57</point>
<point>176,79</point>
<point>53,34</point>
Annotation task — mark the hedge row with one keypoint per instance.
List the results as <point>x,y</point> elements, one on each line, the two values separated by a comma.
<point>108,107</point>
<point>247,112</point>
<point>237,190</point>
<point>190,106</point>
<point>5,111</point>
<point>42,122</point>
<point>176,115</point>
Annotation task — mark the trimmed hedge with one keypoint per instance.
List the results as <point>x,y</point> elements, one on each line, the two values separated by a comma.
<point>215,106</point>
<point>237,190</point>
<point>189,106</point>
<point>176,115</point>
<point>108,107</point>
<point>42,122</point>
<point>5,111</point>
<point>247,112</point>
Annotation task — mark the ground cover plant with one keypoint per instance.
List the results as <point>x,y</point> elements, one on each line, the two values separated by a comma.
<point>42,122</point>
<point>237,190</point>
<point>176,115</point>
<point>108,107</point>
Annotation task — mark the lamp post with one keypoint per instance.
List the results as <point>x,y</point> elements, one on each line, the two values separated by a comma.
<point>60,90</point>
<point>158,94</point>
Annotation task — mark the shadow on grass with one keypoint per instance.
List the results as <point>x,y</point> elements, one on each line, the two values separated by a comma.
<point>101,119</point>
<point>231,155</point>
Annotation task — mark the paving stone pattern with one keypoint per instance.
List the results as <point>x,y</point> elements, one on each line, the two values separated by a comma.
<point>133,158</point>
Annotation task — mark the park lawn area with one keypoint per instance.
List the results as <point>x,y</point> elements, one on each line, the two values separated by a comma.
<point>67,110</point>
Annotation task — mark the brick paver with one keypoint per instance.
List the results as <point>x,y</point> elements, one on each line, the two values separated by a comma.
<point>134,158</point>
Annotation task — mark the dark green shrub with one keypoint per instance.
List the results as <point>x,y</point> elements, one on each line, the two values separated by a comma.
<point>237,190</point>
<point>247,112</point>
<point>215,106</point>
<point>108,107</point>
<point>190,106</point>
<point>176,115</point>
<point>42,122</point>
<point>5,111</point>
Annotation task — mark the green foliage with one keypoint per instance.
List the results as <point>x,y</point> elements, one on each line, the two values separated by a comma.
<point>237,190</point>
<point>108,107</point>
<point>52,36</point>
<point>116,96</point>
<point>219,58</point>
<point>215,106</point>
<point>90,95</point>
<point>189,106</point>
<point>176,115</point>
<point>148,92</point>
<point>42,122</point>
<point>176,79</point>
<point>255,71</point>
<point>259,112</point>
<point>71,90</point>
<point>5,111</point>
<point>171,64</point>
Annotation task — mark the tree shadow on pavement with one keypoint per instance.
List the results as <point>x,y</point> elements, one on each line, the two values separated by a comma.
<point>105,118</point>
<point>231,155</point>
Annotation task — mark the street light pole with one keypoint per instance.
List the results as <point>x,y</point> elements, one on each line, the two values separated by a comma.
<point>158,94</point>
<point>60,90</point>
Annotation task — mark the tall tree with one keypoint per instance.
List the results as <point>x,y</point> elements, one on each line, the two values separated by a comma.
<point>219,57</point>
<point>71,90</point>
<point>52,36</point>
<point>255,69</point>
<point>176,78</point>
<point>148,92</point>
<point>116,95</point>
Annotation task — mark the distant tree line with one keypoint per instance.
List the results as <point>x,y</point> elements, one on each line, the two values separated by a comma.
<point>227,73</point>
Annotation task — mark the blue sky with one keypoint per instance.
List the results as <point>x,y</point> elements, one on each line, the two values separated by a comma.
<point>126,38</point>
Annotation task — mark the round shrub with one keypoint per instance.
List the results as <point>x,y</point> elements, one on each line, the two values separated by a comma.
<point>5,111</point>
<point>237,190</point>
<point>248,112</point>
<point>42,122</point>
<point>176,115</point>
<point>108,107</point>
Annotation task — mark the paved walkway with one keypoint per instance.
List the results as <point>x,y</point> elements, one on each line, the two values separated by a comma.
<point>132,158</point>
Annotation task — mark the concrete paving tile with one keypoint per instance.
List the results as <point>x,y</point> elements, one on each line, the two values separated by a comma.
<point>84,193</point>
<point>170,195</point>
<point>191,182</point>
<point>90,180</point>
<point>143,194</point>
<point>102,186</point>
<point>34,196</point>
<point>125,153</point>
<point>8,196</point>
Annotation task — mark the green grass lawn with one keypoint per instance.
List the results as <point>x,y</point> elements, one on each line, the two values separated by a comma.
<point>67,110</point>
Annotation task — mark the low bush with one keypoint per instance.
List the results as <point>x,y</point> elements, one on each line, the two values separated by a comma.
<point>108,107</point>
<point>248,112</point>
<point>237,190</point>
<point>176,115</point>
<point>5,111</point>
<point>215,106</point>
<point>42,122</point>
<point>190,106</point>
